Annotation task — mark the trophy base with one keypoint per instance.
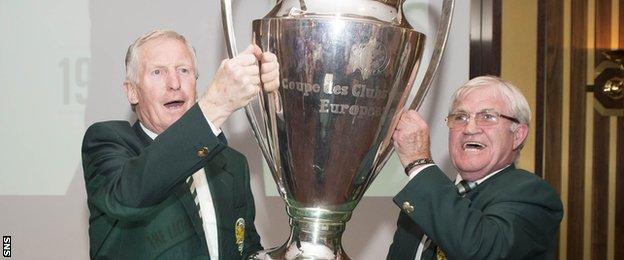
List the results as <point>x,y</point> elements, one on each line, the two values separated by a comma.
<point>296,252</point>
<point>310,239</point>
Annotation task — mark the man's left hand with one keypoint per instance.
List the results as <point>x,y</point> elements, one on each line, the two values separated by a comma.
<point>269,71</point>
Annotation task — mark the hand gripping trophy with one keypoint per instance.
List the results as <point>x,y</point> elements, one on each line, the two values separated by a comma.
<point>347,67</point>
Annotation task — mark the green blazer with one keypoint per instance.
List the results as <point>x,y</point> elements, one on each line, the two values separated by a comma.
<point>512,215</point>
<point>140,205</point>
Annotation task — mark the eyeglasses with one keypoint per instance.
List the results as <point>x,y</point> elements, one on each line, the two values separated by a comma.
<point>485,118</point>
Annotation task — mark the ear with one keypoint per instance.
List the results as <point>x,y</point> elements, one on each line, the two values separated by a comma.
<point>131,92</point>
<point>522,130</point>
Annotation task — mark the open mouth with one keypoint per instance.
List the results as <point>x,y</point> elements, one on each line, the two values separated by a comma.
<point>174,104</point>
<point>471,145</point>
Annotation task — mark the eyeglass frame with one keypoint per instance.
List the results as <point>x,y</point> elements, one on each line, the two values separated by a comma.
<point>476,115</point>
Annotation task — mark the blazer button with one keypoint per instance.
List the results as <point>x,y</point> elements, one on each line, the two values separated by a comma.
<point>202,152</point>
<point>407,207</point>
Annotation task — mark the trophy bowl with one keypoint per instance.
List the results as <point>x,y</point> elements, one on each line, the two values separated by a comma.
<point>346,71</point>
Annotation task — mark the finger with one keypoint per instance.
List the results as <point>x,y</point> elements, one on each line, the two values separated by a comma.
<point>254,80</point>
<point>266,67</point>
<point>223,63</point>
<point>271,86</point>
<point>400,124</point>
<point>244,60</point>
<point>268,57</point>
<point>253,49</point>
<point>248,80</point>
<point>400,113</point>
<point>394,139</point>
<point>412,120</point>
<point>252,90</point>
<point>256,51</point>
<point>251,70</point>
<point>270,76</point>
<point>249,50</point>
<point>414,116</point>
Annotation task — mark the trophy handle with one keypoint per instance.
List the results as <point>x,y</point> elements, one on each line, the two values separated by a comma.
<point>230,40</point>
<point>436,57</point>
<point>438,52</point>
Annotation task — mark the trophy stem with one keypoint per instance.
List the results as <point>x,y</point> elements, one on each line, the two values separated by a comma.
<point>313,238</point>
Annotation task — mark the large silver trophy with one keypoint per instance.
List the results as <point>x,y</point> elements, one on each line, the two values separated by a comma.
<point>346,67</point>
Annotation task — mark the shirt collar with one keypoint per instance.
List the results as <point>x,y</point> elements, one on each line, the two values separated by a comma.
<point>216,131</point>
<point>479,181</point>
<point>148,132</point>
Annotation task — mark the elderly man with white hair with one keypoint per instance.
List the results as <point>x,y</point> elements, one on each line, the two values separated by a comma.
<point>493,210</point>
<point>169,186</point>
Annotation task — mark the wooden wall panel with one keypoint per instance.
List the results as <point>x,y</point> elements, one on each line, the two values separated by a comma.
<point>549,94</point>
<point>576,154</point>
<point>550,88</point>
<point>581,229</point>
<point>485,38</point>
<point>600,173</point>
<point>600,179</point>
<point>619,182</point>
<point>539,88</point>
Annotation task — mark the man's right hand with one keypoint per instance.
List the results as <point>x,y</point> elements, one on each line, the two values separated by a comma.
<point>411,138</point>
<point>235,84</point>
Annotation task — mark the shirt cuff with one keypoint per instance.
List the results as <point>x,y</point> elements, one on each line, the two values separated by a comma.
<point>416,171</point>
<point>216,131</point>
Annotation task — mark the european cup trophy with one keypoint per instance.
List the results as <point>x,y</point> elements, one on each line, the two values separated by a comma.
<point>347,69</point>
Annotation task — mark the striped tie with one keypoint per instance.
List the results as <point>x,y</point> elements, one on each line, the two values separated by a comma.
<point>190,183</point>
<point>464,187</point>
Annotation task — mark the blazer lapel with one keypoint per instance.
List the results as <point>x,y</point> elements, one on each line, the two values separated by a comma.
<point>145,139</point>
<point>224,192</point>
<point>220,182</point>
<point>182,191</point>
<point>184,195</point>
<point>475,192</point>
<point>221,137</point>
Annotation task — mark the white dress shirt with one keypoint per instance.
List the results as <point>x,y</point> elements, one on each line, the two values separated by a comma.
<point>424,241</point>
<point>207,211</point>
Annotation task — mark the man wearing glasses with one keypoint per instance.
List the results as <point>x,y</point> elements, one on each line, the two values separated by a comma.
<point>493,210</point>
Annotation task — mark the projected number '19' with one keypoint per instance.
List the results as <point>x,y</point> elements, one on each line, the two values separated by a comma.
<point>76,87</point>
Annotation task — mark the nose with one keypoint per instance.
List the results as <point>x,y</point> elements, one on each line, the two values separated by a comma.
<point>472,127</point>
<point>173,81</point>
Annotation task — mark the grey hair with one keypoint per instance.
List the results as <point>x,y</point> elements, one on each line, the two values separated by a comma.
<point>516,102</point>
<point>132,55</point>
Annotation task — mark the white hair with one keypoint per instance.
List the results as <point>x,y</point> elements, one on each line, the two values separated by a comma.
<point>132,55</point>
<point>516,102</point>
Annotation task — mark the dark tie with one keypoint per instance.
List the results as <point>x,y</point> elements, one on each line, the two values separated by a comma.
<point>434,251</point>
